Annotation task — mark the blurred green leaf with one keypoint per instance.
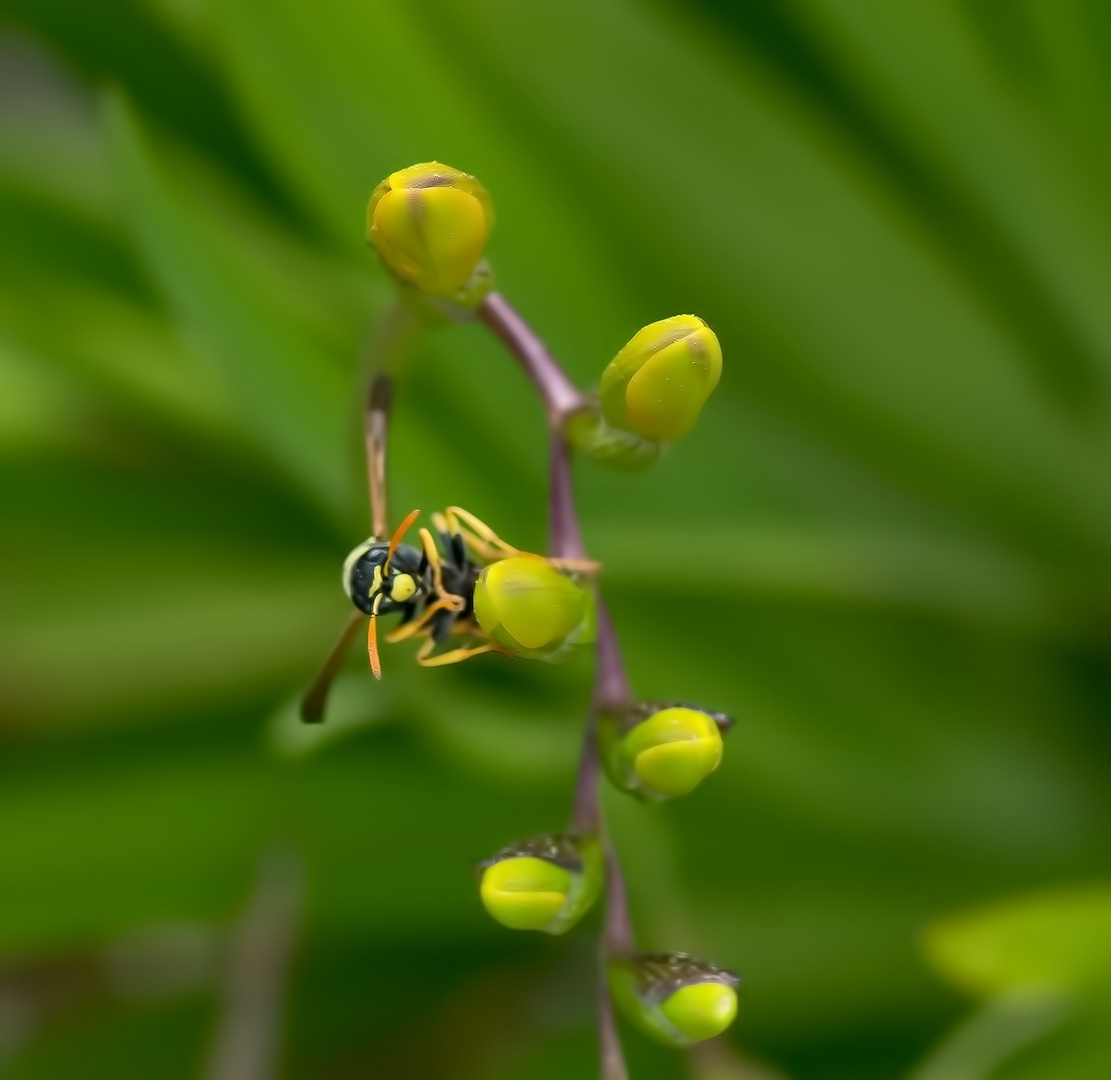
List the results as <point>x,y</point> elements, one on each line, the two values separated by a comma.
<point>287,386</point>
<point>884,548</point>
<point>1057,941</point>
<point>1044,964</point>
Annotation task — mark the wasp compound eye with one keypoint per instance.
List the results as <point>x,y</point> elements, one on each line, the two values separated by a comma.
<point>528,606</point>
<point>674,998</point>
<point>657,384</point>
<point>402,587</point>
<point>429,223</point>
<point>662,751</point>
<point>545,883</point>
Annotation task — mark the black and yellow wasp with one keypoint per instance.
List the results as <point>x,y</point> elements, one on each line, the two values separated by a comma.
<point>432,586</point>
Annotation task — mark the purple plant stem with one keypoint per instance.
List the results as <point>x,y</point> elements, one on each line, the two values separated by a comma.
<point>618,932</point>
<point>564,536</point>
<point>609,1041</point>
<point>611,685</point>
<point>617,940</point>
<point>561,396</point>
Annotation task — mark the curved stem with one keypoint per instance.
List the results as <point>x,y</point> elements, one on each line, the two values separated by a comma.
<point>611,686</point>
<point>609,1041</point>
<point>564,535</point>
<point>617,939</point>
<point>561,396</point>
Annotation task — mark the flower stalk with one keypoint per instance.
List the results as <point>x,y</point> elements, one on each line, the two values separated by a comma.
<point>429,224</point>
<point>562,398</point>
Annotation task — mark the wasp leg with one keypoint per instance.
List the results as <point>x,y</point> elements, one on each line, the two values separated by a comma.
<point>452,543</point>
<point>405,631</point>
<point>445,601</point>
<point>431,556</point>
<point>316,697</point>
<point>418,626</point>
<point>454,656</point>
<point>478,535</point>
<point>577,566</point>
<point>443,596</point>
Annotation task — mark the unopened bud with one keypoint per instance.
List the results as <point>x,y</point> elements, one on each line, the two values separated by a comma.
<point>657,384</point>
<point>674,998</point>
<point>429,223</point>
<point>525,604</point>
<point>545,883</point>
<point>661,751</point>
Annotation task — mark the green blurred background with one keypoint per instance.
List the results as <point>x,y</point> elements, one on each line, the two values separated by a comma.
<point>884,549</point>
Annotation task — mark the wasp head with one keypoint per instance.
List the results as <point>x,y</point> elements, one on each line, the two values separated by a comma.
<point>377,583</point>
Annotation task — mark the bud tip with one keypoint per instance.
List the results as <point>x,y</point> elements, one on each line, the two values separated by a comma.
<point>525,893</point>
<point>703,1010</point>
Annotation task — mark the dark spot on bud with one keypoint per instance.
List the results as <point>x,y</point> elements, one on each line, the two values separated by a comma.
<point>563,849</point>
<point>659,975</point>
<point>637,714</point>
<point>436,180</point>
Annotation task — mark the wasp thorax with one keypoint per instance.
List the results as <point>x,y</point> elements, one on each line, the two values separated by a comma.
<point>429,224</point>
<point>544,883</point>
<point>674,997</point>
<point>657,384</point>
<point>374,587</point>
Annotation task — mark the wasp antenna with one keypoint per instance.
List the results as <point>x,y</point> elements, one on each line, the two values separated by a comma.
<point>396,539</point>
<point>372,639</point>
<point>372,646</point>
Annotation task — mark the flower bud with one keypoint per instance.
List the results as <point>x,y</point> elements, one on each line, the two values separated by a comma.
<point>656,385</point>
<point>545,883</point>
<point>660,751</point>
<point>429,223</point>
<point>525,604</point>
<point>674,998</point>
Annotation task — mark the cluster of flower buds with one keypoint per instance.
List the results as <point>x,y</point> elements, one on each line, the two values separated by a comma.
<point>545,883</point>
<point>659,751</point>
<point>429,223</point>
<point>533,609</point>
<point>674,998</point>
<point>651,393</point>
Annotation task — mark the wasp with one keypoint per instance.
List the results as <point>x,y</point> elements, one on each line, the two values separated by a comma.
<point>431,586</point>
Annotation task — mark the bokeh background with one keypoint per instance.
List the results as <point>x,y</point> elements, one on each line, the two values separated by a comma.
<point>884,549</point>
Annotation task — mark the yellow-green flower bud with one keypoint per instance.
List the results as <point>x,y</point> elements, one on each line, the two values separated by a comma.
<point>546,883</point>
<point>525,604</point>
<point>429,223</point>
<point>674,998</point>
<point>660,751</point>
<point>656,385</point>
